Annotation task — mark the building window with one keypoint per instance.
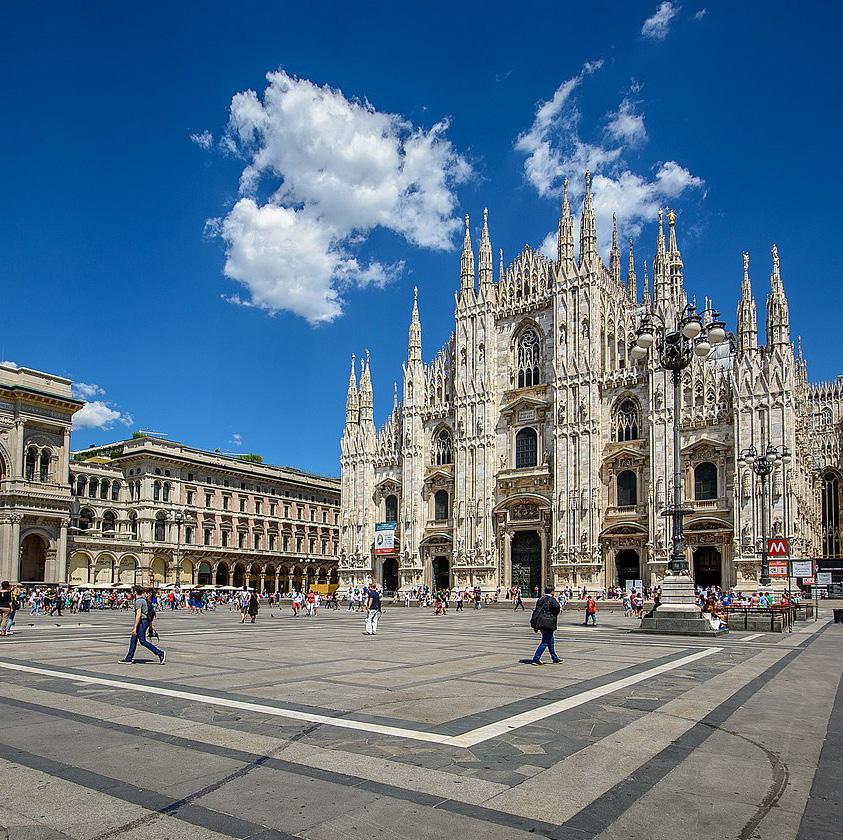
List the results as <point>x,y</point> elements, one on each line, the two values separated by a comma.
<point>93,486</point>
<point>324,517</point>
<point>190,496</point>
<point>241,540</point>
<point>286,511</point>
<point>272,541</point>
<point>312,515</point>
<point>529,359</point>
<point>705,481</point>
<point>312,544</point>
<point>300,513</point>
<point>160,528</point>
<point>156,491</point>
<point>440,504</point>
<point>242,505</point>
<point>286,543</point>
<point>627,488</point>
<point>225,539</point>
<point>257,507</point>
<point>31,460</point>
<point>207,536</point>
<point>626,421</point>
<point>44,466</point>
<point>391,508</point>
<point>443,448</point>
<point>86,519</point>
<point>272,508</point>
<point>225,502</point>
<point>257,538</point>
<point>133,524</point>
<point>188,534</point>
<point>207,500</point>
<point>299,544</point>
<point>324,546</point>
<point>104,487</point>
<point>831,515</point>
<point>526,448</point>
<point>109,523</point>
<point>81,481</point>
<point>166,491</point>
<point>115,491</point>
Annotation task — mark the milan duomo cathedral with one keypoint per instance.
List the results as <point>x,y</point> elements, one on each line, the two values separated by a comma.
<point>534,449</point>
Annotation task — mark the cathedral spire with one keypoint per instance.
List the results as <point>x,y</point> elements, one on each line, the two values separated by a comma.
<point>660,279</point>
<point>615,258</point>
<point>646,296</point>
<point>485,255</point>
<point>395,398</point>
<point>674,260</point>
<point>501,270</point>
<point>467,261</point>
<point>631,281</point>
<point>366,396</point>
<point>778,316</point>
<point>565,242</point>
<point>588,227</point>
<point>414,344</point>
<point>747,312</point>
<point>352,404</point>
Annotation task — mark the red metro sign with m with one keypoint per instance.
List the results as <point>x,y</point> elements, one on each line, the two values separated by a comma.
<point>778,547</point>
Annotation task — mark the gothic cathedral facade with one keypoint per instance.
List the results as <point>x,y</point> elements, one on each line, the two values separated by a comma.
<point>533,449</point>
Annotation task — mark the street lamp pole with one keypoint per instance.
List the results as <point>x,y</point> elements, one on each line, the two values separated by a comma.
<point>691,334</point>
<point>762,464</point>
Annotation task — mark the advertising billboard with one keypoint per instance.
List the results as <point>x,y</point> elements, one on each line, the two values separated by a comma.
<point>385,537</point>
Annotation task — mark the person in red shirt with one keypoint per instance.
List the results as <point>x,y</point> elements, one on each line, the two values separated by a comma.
<point>590,611</point>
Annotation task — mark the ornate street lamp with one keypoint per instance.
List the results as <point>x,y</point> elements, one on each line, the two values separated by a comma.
<point>762,464</point>
<point>691,334</point>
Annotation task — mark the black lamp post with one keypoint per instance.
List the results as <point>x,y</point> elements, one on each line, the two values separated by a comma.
<point>762,464</point>
<point>691,334</point>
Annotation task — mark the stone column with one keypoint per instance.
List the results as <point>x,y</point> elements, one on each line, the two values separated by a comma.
<point>62,558</point>
<point>231,575</point>
<point>262,582</point>
<point>14,548</point>
<point>507,558</point>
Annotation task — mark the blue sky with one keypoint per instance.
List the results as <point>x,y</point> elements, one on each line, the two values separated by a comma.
<point>205,261</point>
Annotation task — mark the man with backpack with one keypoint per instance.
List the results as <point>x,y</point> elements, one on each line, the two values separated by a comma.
<point>544,621</point>
<point>144,614</point>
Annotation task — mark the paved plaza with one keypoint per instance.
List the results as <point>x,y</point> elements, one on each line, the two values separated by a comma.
<point>307,728</point>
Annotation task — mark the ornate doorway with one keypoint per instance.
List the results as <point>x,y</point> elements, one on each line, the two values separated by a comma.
<point>390,575</point>
<point>441,573</point>
<point>627,566</point>
<point>33,559</point>
<point>527,561</point>
<point>707,567</point>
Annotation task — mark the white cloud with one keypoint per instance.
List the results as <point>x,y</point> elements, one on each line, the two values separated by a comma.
<point>554,150</point>
<point>96,414</point>
<point>626,126</point>
<point>84,391</point>
<point>700,14</point>
<point>203,139</point>
<point>657,26</point>
<point>334,169</point>
<point>237,439</point>
<point>9,364</point>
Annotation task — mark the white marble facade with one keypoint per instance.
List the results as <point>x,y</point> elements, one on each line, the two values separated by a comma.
<point>532,448</point>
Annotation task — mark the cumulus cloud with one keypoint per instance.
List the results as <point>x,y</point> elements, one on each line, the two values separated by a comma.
<point>203,139</point>
<point>332,170</point>
<point>96,414</point>
<point>658,24</point>
<point>10,364</point>
<point>554,150</point>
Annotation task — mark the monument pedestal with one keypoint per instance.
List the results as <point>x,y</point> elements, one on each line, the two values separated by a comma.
<point>678,613</point>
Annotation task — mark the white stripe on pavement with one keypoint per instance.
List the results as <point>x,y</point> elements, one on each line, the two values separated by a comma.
<point>468,739</point>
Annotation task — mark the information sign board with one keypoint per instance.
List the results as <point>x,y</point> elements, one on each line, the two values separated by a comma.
<point>803,568</point>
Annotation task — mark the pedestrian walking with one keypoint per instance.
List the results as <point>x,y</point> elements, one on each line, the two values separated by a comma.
<point>253,606</point>
<point>590,611</point>
<point>244,599</point>
<point>518,601</point>
<point>5,605</point>
<point>544,620</point>
<point>460,598</point>
<point>373,611</point>
<point>143,617</point>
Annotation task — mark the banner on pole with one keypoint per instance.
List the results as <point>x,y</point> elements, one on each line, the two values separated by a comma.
<point>385,537</point>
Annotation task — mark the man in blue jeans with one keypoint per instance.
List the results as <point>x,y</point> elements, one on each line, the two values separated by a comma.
<point>143,615</point>
<point>544,620</point>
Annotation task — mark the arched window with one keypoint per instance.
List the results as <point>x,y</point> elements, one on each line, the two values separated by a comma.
<point>115,491</point>
<point>81,481</point>
<point>133,524</point>
<point>443,450</point>
<point>44,466</point>
<point>440,504</point>
<point>526,448</point>
<point>104,485</point>
<point>831,515</point>
<point>705,481</point>
<point>156,491</point>
<point>109,523</point>
<point>627,488</point>
<point>86,519</point>
<point>391,508</point>
<point>528,359</point>
<point>29,466</point>
<point>93,486</point>
<point>626,421</point>
<point>166,491</point>
<point>160,527</point>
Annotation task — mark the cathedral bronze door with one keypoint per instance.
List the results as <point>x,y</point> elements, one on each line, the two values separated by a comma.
<point>390,575</point>
<point>707,567</point>
<point>526,561</point>
<point>441,573</point>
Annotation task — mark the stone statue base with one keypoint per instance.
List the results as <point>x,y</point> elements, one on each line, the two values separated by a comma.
<point>678,613</point>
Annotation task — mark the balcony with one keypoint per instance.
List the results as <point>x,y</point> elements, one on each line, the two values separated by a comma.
<point>695,505</point>
<point>515,482</point>
<point>624,511</point>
